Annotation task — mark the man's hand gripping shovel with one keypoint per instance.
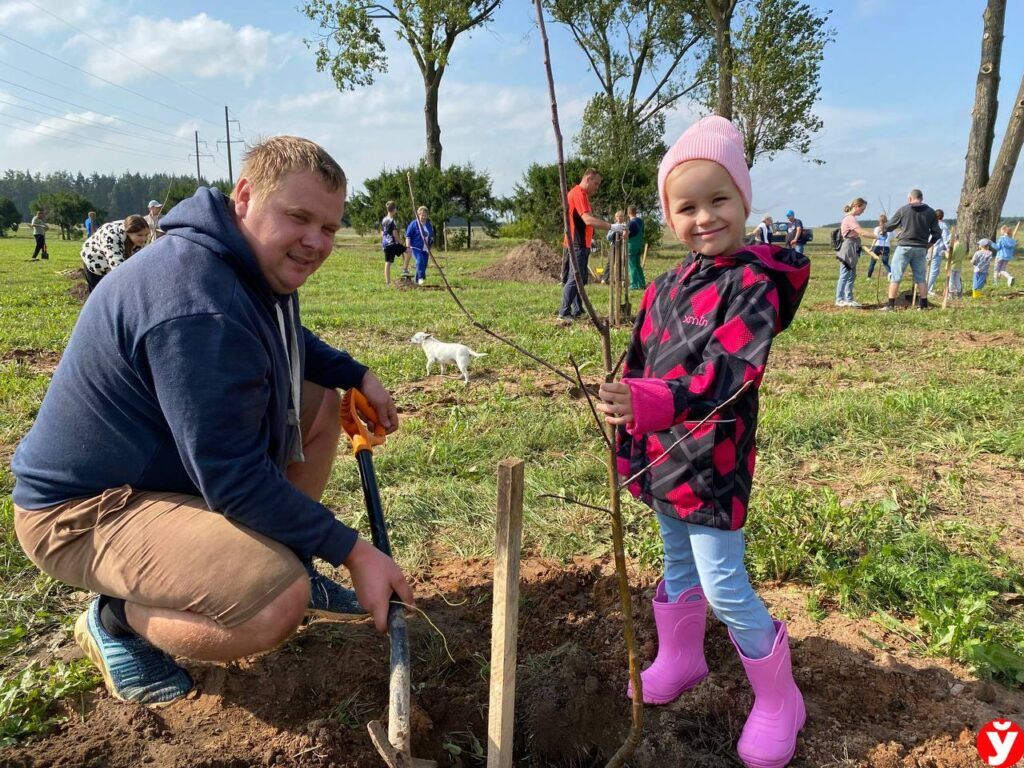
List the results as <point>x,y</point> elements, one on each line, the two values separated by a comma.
<point>359,421</point>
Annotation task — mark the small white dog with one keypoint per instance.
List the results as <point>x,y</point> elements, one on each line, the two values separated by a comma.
<point>443,353</point>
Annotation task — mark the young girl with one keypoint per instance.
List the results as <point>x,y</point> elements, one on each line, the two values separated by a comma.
<point>112,244</point>
<point>980,261</point>
<point>704,330</point>
<point>1005,247</point>
<point>419,236</point>
<point>881,246</point>
<point>389,242</point>
<point>849,253</point>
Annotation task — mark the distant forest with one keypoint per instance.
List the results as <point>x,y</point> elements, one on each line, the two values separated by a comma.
<point>112,197</point>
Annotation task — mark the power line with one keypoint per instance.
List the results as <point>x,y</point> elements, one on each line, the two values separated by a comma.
<point>90,109</point>
<point>84,142</point>
<point>119,53</point>
<point>142,152</point>
<point>77,121</point>
<point>63,86</point>
<point>101,79</point>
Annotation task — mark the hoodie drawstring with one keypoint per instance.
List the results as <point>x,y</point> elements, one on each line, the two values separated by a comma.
<point>291,353</point>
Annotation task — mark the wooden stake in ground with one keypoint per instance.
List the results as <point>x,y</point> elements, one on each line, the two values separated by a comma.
<point>505,614</point>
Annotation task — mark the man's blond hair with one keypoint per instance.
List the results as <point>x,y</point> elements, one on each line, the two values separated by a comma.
<point>269,161</point>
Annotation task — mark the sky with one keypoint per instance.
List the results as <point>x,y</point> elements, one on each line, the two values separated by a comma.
<point>897,92</point>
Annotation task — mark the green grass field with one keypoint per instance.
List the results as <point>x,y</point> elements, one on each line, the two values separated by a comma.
<point>889,476</point>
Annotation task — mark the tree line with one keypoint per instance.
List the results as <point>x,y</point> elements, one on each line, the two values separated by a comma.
<point>68,197</point>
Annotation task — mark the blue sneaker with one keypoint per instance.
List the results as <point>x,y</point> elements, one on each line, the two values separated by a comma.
<point>329,600</point>
<point>133,669</point>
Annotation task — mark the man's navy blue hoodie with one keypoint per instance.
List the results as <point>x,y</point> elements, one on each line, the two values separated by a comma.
<point>176,379</point>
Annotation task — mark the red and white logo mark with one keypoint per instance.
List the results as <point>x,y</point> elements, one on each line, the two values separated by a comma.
<point>1001,743</point>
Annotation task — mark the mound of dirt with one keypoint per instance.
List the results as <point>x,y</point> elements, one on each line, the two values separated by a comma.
<point>872,702</point>
<point>532,262</point>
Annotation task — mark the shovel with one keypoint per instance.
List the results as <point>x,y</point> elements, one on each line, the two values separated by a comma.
<point>394,744</point>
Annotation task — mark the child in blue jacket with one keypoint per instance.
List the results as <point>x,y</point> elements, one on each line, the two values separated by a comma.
<point>419,235</point>
<point>1006,245</point>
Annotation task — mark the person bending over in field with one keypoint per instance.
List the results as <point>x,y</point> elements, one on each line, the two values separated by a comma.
<point>179,456</point>
<point>111,245</point>
<point>918,230</point>
<point>703,331</point>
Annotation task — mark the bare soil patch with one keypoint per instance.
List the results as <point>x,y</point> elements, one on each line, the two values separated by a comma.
<point>41,361</point>
<point>532,262</point>
<point>870,701</point>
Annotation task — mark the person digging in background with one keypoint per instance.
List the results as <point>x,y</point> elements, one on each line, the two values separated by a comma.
<point>582,223</point>
<point>981,261</point>
<point>1006,246</point>
<point>919,229</point>
<point>849,252</point>
<point>153,218</point>
<point>637,279</point>
<point>881,247</point>
<point>188,433</point>
<point>111,245</point>
<point>39,227</point>
<point>419,236</point>
<point>389,242</point>
<point>704,329</point>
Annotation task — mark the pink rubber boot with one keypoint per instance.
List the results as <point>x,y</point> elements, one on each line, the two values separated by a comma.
<point>680,663</point>
<point>769,736</point>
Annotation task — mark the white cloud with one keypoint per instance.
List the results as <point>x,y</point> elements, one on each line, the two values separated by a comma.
<point>200,46</point>
<point>21,19</point>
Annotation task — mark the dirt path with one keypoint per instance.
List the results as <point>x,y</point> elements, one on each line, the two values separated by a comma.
<point>870,701</point>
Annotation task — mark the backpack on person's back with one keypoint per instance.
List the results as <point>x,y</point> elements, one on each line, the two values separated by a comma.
<point>837,238</point>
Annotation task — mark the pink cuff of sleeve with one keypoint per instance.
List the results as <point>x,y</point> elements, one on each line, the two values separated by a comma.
<point>653,406</point>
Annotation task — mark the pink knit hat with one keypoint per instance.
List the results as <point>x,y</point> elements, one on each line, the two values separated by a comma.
<point>711,138</point>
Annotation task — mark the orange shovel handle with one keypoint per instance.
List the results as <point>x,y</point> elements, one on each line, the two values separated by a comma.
<point>358,418</point>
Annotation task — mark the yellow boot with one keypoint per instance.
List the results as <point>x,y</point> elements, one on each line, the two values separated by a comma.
<point>975,294</point>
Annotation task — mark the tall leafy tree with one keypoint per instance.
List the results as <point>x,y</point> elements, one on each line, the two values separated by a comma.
<point>720,13</point>
<point>984,190</point>
<point>459,190</point>
<point>351,46</point>
<point>645,54</point>
<point>470,196</point>
<point>775,79</point>
<point>10,216</point>
<point>65,209</point>
<point>627,155</point>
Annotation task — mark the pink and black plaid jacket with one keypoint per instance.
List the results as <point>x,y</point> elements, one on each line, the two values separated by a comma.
<point>703,329</point>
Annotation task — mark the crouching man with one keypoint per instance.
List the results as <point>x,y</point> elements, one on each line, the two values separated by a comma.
<point>176,465</point>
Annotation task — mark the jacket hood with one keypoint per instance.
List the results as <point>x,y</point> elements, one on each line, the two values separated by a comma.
<point>789,270</point>
<point>206,219</point>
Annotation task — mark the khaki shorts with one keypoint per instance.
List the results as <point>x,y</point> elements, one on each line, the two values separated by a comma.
<point>166,550</point>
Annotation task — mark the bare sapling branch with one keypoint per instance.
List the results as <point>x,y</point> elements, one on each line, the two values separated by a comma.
<point>577,502</point>
<point>586,392</point>
<point>625,599</point>
<point>696,426</point>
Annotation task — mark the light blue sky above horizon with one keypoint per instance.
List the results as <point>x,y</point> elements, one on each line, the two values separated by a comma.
<point>897,91</point>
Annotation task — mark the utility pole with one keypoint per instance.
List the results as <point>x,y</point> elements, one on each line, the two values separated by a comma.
<point>229,142</point>
<point>199,154</point>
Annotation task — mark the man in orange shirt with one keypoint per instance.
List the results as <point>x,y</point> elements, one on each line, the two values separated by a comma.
<point>581,228</point>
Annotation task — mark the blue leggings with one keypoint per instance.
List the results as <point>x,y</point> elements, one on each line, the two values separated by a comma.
<point>712,558</point>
